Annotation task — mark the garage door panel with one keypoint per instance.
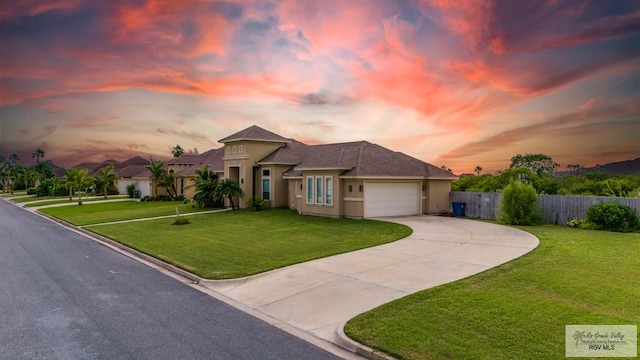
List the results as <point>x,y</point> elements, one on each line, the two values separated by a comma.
<point>391,199</point>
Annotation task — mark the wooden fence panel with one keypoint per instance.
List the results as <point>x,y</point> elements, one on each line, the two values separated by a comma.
<point>555,209</point>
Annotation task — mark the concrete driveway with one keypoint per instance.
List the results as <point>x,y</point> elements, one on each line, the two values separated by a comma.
<point>319,296</point>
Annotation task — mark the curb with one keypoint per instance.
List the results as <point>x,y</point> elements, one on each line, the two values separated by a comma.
<point>345,342</point>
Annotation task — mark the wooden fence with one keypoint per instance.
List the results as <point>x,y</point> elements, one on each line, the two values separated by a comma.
<point>555,209</point>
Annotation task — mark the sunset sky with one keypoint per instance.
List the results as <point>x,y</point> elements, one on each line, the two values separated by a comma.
<point>456,83</point>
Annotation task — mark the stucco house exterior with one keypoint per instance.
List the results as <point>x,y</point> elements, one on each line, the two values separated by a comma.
<point>353,179</point>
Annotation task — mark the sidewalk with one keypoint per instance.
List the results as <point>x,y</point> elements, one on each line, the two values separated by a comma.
<point>320,296</point>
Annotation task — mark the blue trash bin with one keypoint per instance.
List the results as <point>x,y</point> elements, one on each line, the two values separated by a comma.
<point>458,208</point>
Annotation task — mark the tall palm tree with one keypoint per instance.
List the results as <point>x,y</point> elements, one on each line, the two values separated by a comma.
<point>206,183</point>
<point>77,179</point>
<point>229,188</point>
<point>478,169</point>
<point>157,172</point>
<point>177,151</point>
<point>107,177</point>
<point>38,154</point>
<point>68,175</point>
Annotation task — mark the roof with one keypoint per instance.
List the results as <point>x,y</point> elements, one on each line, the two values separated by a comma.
<point>291,154</point>
<point>254,133</point>
<point>134,171</point>
<point>363,158</point>
<point>211,158</point>
<point>136,160</point>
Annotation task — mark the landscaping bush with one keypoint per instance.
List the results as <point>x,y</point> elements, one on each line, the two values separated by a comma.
<point>519,205</point>
<point>130,188</point>
<point>51,187</point>
<point>613,217</point>
<point>257,203</point>
<point>179,198</point>
<point>31,191</point>
<point>180,220</point>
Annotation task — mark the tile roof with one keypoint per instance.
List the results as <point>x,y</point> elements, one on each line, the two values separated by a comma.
<point>255,133</point>
<point>136,160</point>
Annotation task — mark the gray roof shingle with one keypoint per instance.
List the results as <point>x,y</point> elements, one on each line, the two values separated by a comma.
<point>255,133</point>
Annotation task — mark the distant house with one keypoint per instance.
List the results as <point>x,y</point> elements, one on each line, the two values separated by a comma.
<point>353,179</point>
<point>131,171</point>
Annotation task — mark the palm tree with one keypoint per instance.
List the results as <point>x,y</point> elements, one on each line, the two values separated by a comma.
<point>478,169</point>
<point>107,177</point>
<point>206,183</point>
<point>77,179</point>
<point>579,336</point>
<point>177,151</point>
<point>68,174</point>
<point>229,188</point>
<point>157,172</point>
<point>4,173</point>
<point>168,181</point>
<point>38,154</point>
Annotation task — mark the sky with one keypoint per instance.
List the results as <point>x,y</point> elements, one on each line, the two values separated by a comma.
<point>455,83</point>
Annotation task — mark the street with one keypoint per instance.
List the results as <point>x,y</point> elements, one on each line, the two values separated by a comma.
<point>63,296</point>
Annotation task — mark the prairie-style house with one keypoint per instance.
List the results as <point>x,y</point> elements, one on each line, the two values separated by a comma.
<point>353,179</point>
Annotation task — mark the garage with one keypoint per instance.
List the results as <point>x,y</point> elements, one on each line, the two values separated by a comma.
<point>391,199</point>
<point>145,188</point>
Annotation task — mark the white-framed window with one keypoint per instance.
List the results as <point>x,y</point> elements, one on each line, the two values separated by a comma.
<point>234,149</point>
<point>240,149</point>
<point>319,190</point>
<point>310,189</point>
<point>328,190</point>
<point>228,150</point>
<point>266,184</point>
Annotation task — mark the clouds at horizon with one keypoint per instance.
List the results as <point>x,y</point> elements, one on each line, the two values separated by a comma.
<point>455,83</point>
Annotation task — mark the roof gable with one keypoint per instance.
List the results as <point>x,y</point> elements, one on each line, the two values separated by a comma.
<point>254,133</point>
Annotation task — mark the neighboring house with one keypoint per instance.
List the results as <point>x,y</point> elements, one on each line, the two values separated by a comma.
<point>131,171</point>
<point>354,179</point>
<point>184,168</point>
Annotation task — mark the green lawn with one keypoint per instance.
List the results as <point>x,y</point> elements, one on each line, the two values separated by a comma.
<point>15,193</point>
<point>518,310</point>
<point>74,201</point>
<point>115,211</point>
<point>241,243</point>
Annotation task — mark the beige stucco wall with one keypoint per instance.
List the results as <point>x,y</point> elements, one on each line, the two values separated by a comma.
<point>246,154</point>
<point>333,210</point>
<point>437,196</point>
<point>353,201</point>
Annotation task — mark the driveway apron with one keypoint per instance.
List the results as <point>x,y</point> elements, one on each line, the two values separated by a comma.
<point>321,295</point>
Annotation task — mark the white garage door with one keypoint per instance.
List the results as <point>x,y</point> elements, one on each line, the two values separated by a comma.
<point>145,188</point>
<point>122,185</point>
<point>391,199</point>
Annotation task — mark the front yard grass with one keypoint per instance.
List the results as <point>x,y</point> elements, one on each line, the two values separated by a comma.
<point>235,244</point>
<point>116,211</point>
<point>518,310</point>
<point>55,201</point>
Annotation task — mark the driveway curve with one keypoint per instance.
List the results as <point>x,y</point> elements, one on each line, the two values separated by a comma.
<point>319,296</point>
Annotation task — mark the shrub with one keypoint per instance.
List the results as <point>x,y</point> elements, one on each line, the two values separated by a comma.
<point>574,223</point>
<point>519,205</point>
<point>179,198</point>
<point>146,198</point>
<point>613,217</point>
<point>180,220</point>
<point>130,188</point>
<point>257,203</point>
<point>31,191</point>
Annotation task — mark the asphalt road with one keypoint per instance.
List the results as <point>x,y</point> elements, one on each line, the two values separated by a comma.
<point>63,296</point>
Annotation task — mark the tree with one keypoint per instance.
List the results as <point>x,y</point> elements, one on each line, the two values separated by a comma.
<point>168,181</point>
<point>44,169</point>
<point>206,183</point>
<point>14,158</point>
<point>519,204</point>
<point>539,163</point>
<point>77,179</point>
<point>38,154</point>
<point>107,177</point>
<point>157,172</point>
<point>478,169</point>
<point>229,188</point>
<point>177,151</point>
